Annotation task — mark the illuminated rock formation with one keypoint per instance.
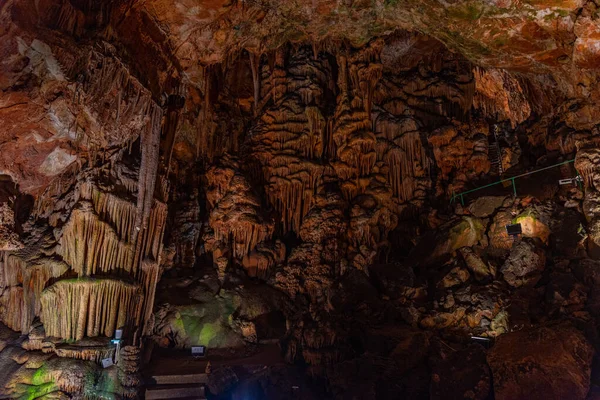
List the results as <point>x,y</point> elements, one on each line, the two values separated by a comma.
<point>236,173</point>
<point>92,307</point>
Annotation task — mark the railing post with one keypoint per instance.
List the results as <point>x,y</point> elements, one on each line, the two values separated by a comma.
<point>462,200</point>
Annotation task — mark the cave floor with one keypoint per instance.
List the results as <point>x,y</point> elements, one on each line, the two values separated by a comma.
<point>180,362</point>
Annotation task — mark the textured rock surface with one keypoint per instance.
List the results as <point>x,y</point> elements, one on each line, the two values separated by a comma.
<point>544,363</point>
<point>239,173</point>
<point>524,265</point>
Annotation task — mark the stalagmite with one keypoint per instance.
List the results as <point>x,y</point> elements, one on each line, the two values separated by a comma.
<point>90,307</point>
<point>150,276</point>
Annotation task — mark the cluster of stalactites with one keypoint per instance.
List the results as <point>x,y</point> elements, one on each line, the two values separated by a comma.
<point>89,307</point>
<point>400,147</point>
<point>121,215</point>
<point>21,285</point>
<point>365,70</point>
<point>500,96</point>
<point>91,246</point>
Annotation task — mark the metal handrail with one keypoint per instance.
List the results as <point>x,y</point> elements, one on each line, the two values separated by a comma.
<point>461,195</point>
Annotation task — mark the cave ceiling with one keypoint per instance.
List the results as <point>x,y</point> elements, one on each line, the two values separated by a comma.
<point>172,47</point>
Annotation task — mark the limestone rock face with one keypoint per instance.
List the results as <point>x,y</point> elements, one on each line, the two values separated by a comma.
<point>546,362</point>
<point>9,240</point>
<point>587,161</point>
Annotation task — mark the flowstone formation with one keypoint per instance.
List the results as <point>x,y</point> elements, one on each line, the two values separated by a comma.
<point>249,175</point>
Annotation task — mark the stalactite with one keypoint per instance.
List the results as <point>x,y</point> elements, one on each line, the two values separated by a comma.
<point>260,262</point>
<point>175,104</point>
<point>45,203</point>
<point>278,76</point>
<point>123,175</point>
<point>153,235</point>
<point>23,281</point>
<point>9,239</point>
<point>255,66</point>
<point>89,307</point>
<point>399,145</point>
<point>112,104</point>
<point>353,137</point>
<point>203,146</point>
<point>12,268</point>
<point>35,279</point>
<point>121,214</point>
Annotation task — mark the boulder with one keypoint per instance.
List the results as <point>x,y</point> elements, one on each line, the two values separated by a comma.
<point>532,225</point>
<point>486,205</point>
<point>480,269</point>
<point>456,276</point>
<point>548,362</point>
<point>524,265</point>
<point>464,232</point>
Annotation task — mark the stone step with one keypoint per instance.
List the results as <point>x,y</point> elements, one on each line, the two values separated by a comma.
<point>178,379</point>
<point>175,392</point>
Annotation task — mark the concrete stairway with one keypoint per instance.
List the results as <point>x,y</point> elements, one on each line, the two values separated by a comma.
<point>188,386</point>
